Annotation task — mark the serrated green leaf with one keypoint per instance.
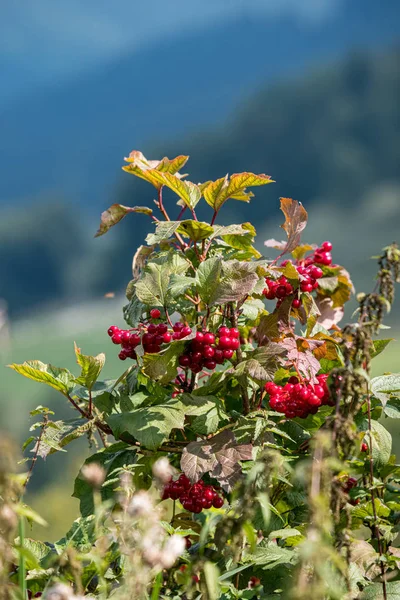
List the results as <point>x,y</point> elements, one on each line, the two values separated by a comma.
<point>282,534</point>
<point>379,346</point>
<point>187,191</point>
<point>237,280</point>
<point>57,378</point>
<point>385,386</point>
<point>392,408</point>
<point>329,284</point>
<point>375,591</point>
<point>195,230</point>
<point>216,193</point>
<point>133,311</point>
<point>113,457</point>
<point>381,443</point>
<point>178,284</point>
<point>164,231</point>
<point>81,535</point>
<point>150,425</point>
<point>163,367</point>
<point>91,367</point>
<point>145,169</point>
<point>111,217</point>
<point>152,287</point>
<point>271,555</point>
<point>208,275</point>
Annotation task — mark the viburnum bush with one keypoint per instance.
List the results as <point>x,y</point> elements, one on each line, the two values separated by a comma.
<point>241,452</point>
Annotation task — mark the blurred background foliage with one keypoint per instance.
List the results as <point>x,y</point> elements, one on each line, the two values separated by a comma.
<point>305,92</point>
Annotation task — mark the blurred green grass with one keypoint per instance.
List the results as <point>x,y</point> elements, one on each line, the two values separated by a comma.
<point>49,337</point>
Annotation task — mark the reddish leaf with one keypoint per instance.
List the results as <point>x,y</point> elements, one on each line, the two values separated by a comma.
<point>305,361</point>
<point>218,456</point>
<point>112,216</point>
<point>295,221</point>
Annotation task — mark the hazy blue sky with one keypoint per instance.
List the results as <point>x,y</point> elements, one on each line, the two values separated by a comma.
<point>47,36</point>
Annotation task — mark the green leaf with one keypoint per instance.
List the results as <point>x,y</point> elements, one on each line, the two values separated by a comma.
<point>57,378</point>
<point>113,457</point>
<point>152,287</point>
<point>133,311</point>
<point>163,366</point>
<point>150,425</point>
<point>329,284</point>
<point>164,231</point>
<point>208,275</point>
<point>112,216</point>
<point>178,284</point>
<point>217,192</point>
<point>145,169</point>
<point>392,408</point>
<point>381,443</point>
<point>237,281</point>
<point>58,434</point>
<point>385,386</point>
<point>195,230</point>
<point>252,308</point>
<point>211,574</point>
<point>91,367</point>
<point>271,555</point>
<point>283,534</point>
<point>375,591</point>
<point>379,346</point>
<point>208,411</point>
<point>81,535</point>
<point>187,191</point>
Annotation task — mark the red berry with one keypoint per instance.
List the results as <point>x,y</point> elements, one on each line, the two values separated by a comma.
<point>184,360</point>
<point>210,364</point>
<point>195,368</point>
<point>225,341</point>
<point>234,333</point>
<point>186,331</point>
<point>155,313</point>
<point>122,355</point>
<point>178,326</point>
<point>208,493</point>
<point>159,339</point>
<point>113,329</point>
<point>281,291</point>
<point>316,272</point>
<point>218,356</point>
<point>166,338</point>
<point>196,357</point>
<point>289,288</point>
<point>218,502</point>
<point>125,336</point>
<point>195,578</point>
<point>116,337</point>
<point>199,337</point>
<point>296,302</point>
<point>228,353</point>
<point>223,331</point>
<point>184,481</point>
<point>134,339</point>
<point>271,388</point>
<point>304,394</point>
<point>254,582</point>
<point>153,349</point>
<point>364,447</point>
<point>306,287</point>
<point>319,391</point>
<point>162,328</point>
<point>327,246</point>
<point>208,351</point>
<point>209,338</point>
<point>235,343</point>
<point>147,338</point>
<point>325,258</point>
<point>313,400</point>
<point>269,294</point>
<point>188,543</point>
<point>152,328</point>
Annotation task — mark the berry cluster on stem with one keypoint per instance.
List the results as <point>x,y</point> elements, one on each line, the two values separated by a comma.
<point>299,399</point>
<point>193,497</point>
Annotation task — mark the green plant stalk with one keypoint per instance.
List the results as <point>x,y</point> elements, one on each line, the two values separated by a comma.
<point>155,594</point>
<point>22,565</point>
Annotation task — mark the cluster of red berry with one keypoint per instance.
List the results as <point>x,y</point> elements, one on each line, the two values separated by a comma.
<point>193,497</point>
<point>151,336</point>
<point>296,399</point>
<point>205,351</point>
<point>309,273</point>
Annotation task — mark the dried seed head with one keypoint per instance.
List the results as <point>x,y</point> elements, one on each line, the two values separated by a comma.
<point>94,474</point>
<point>174,547</point>
<point>162,470</point>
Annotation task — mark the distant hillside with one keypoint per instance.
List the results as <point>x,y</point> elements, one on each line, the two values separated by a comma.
<point>70,137</point>
<point>331,138</point>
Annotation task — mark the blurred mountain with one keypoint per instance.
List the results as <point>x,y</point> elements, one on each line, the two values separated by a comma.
<point>69,136</point>
<point>330,138</point>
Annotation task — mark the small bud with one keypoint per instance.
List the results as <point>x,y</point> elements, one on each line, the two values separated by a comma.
<point>94,474</point>
<point>140,504</point>
<point>162,470</point>
<point>174,547</point>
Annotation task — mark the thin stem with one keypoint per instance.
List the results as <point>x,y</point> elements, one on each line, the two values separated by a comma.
<point>78,408</point>
<point>34,459</point>
<point>239,355</point>
<point>168,317</point>
<point>181,213</point>
<point>214,217</point>
<point>90,403</point>
<point>161,206</point>
<point>376,531</point>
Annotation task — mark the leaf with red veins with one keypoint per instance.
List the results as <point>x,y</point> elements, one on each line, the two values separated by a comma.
<point>305,361</point>
<point>329,316</point>
<point>295,221</point>
<point>219,456</point>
